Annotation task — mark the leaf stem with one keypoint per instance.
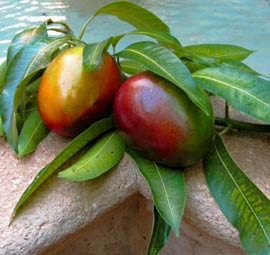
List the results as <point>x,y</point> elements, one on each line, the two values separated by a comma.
<point>82,31</point>
<point>58,30</point>
<point>75,42</point>
<point>63,24</point>
<point>246,126</point>
<point>225,130</point>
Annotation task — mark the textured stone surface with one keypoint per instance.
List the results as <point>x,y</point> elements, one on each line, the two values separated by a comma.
<point>125,231</point>
<point>60,207</point>
<point>62,213</point>
<point>252,153</point>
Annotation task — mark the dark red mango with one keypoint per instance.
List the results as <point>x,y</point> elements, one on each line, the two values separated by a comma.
<point>158,120</point>
<point>70,99</point>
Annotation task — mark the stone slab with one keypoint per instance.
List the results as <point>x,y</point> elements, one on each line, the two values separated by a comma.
<point>62,208</point>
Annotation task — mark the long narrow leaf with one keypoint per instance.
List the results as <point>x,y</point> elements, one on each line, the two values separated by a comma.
<point>160,234</point>
<point>43,56</point>
<point>162,37</point>
<point>92,54</point>
<point>163,62</point>
<point>100,158</point>
<point>33,132</point>
<point>3,69</point>
<point>201,62</point>
<point>238,65</point>
<point>29,60</point>
<point>168,190</point>
<point>244,91</point>
<point>131,66</point>
<point>245,206</point>
<point>135,15</point>
<point>220,51</point>
<point>26,37</point>
<point>70,150</point>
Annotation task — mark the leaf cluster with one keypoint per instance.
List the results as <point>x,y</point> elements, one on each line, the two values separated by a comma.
<point>197,69</point>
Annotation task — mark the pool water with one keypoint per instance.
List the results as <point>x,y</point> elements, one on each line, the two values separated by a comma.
<point>242,22</point>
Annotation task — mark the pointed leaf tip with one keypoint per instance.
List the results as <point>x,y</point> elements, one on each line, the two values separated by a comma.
<point>168,189</point>
<point>101,157</point>
<point>244,205</point>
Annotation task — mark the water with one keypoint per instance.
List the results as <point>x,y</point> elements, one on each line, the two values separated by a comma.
<point>242,22</point>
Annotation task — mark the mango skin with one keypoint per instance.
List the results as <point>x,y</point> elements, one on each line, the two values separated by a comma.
<point>70,99</point>
<point>157,119</point>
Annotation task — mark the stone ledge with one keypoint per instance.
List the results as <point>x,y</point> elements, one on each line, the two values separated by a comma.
<point>61,209</point>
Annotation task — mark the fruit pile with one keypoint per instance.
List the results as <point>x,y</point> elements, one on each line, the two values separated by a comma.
<point>150,100</point>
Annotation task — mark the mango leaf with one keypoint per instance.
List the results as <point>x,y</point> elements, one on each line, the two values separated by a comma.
<point>69,151</point>
<point>206,61</point>
<point>244,205</point>
<point>101,157</point>
<point>32,133</point>
<point>3,69</point>
<point>27,62</point>
<point>163,62</point>
<point>131,13</point>
<point>32,88</point>
<point>26,37</point>
<point>242,125</point>
<point>219,51</point>
<point>31,95</point>
<point>193,66</point>
<point>131,66</point>
<point>200,62</point>
<point>92,54</point>
<point>168,189</point>
<point>162,37</point>
<point>244,91</point>
<point>238,65</point>
<point>135,15</point>
<point>160,234</point>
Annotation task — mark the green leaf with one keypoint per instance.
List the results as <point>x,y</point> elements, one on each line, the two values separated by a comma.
<point>220,51</point>
<point>31,92</point>
<point>33,132</point>
<point>32,88</point>
<point>131,66</point>
<point>162,37</point>
<point>244,205</point>
<point>26,37</point>
<point>244,91</point>
<point>69,151</point>
<point>168,189</point>
<point>43,56</point>
<point>160,234</point>
<point>27,62</point>
<point>101,157</point>
<point>92,54</point>
<point>238,65</point>
<point>3,69</point>
<point>200,62</point>
<point>135,15</point>
<point>163,62</point>
<point>193,66</point>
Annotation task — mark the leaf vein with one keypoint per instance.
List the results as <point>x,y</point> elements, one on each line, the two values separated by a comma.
<point>32,135</point>
<point>243,195</point>
<point>165,191</point>
<point>102,147</point>
<point>234,87</point>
